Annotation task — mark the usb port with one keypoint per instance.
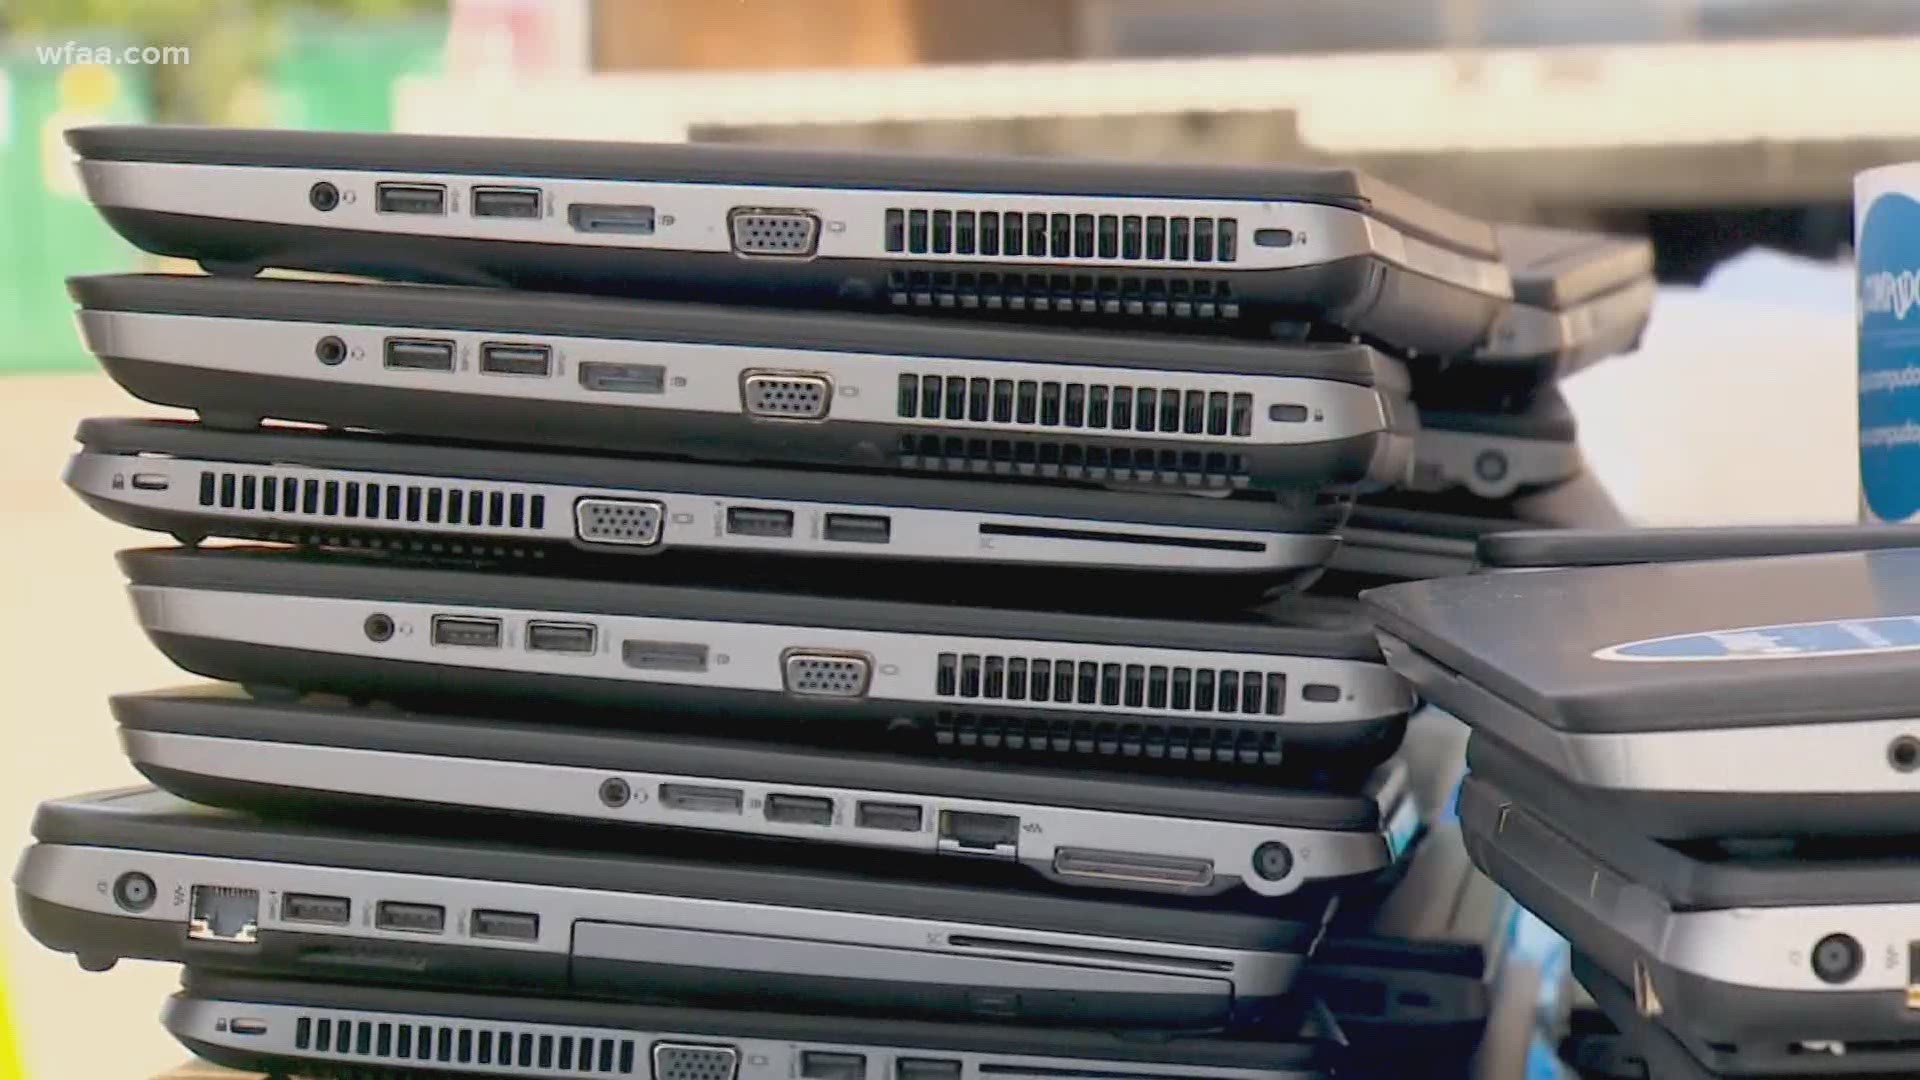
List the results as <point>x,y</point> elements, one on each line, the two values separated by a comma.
<point>506,358</point>
<point>926,1069</point>
<point>466,630</point>
<point>611,218</point>
<point>576,638</point>
<point>893,817</point>
<point>800,809</point>
<point>410,918</point>
<point>509,202</point>
<point>623,378</point>
<point>419,354</point>
<point>410,198</point>
<point>327,910</point>
<point>506,925</point>
<point>759,521</point>
<point>708,800</point>
<point>832,1065</point>
<point>858,528</point>
<point>663,655</point>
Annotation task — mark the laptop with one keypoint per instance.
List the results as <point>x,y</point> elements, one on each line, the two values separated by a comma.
<point>1412,959</point>
<point>300,1027</point>
<point>1726,698</point>
<point>742,385</point>
<point>1577,297</point>
<point>1768,958</point>
<point>1594,1048</point>
<point>1632,1047</point>
<point>1528,549</point>
<point>214,745</point>
<point>1299,680</point>
<point>1496,456</point>
<point>359,490</point>
<point>1137,245</point>
<point>139,874</point>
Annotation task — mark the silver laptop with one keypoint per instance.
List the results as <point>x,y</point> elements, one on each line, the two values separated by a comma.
<point>745,385</point>
<point>1765,957</point>
<point>1578,297</point>
<point>1699,699</point>
<point>296,1027</point>
<point>1179,246</point>
<point>1494,456</point>
<point>141,874</point>
<point>1299,684</point>
<point>1122,830</point>
<point>358,490</point>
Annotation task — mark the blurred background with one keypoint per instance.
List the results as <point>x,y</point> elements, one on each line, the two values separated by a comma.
<point>1726,130</point>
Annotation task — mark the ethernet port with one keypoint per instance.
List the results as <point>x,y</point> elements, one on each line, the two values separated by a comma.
<point>224,913</point>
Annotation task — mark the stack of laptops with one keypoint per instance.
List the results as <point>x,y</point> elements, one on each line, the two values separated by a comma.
<point>1692,755</point>
<point>723,613</point>
<point>1497,437</point>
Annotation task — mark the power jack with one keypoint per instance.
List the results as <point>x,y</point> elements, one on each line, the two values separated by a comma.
<point>1273,860</point>
<point>134,891</point>
<point>615,791</point>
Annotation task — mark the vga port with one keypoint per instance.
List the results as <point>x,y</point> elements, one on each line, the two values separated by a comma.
<point>694,1061</point>
<point>773,233</point>
<point>787,396</point>
<point>821,674</point>
<point>626,522</point>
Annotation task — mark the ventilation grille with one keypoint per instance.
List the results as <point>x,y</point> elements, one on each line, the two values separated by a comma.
<point>501,1045</point>
<point>1086,294</point>
<point>1094,406</point>
<point>1215,743</point>
<point>1013,234</point>
<point>1073,461</point>
<point>1111,686</point>
<point>492,506</point>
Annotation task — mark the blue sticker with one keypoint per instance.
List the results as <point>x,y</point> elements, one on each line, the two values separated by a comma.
<point>1784,641</point>
<point>1889,357</point>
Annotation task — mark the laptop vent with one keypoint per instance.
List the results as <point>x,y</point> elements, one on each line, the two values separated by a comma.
<point>1067,460</point>
<point>497,1045</point>
<point>1218,743</point>
<point>1110,686</point>
<point>1094,406</point>
<point>491,506</point>
<point>1013,234</point>
<point>1158,297</point>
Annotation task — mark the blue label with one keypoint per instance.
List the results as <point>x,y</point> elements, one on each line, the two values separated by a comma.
<point>1784,641</point>
<point>1889,348</point>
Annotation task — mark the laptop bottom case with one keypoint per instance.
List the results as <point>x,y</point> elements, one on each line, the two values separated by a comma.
<point>1644,1049</point>
<point>1100,830</point>
<point>1751,782</point>
<point>139,875</point>
<point>240,401</point>
<point>1361,293</point>
<point>1798,960</point>
<point>289,1027</point>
